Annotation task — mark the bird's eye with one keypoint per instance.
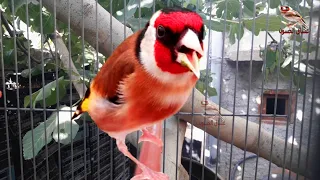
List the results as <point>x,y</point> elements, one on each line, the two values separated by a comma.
<point>161,31</point>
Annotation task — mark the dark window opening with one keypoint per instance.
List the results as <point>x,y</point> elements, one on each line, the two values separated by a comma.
<point>281,106</point>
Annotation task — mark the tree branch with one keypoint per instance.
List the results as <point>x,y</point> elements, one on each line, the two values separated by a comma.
<point>110,33</point>
<point>12,34</point>
<point>277,155</point>
<point>68,63</point>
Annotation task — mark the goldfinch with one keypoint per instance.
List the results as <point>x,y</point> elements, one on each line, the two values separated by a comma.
<point>148,78</point>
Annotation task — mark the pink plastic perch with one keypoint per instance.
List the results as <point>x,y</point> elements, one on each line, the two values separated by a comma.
<point>150,154</point>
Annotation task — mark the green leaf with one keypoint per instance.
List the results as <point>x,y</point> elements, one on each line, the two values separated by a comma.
<point>18,3</point>
<point>299,81</point>
<point>267,74</point>
<point>249,4</point>
<point>131,8</point>
<point>39,139</point>
<point>192,7</point>
<point>299,38</point>
<point>204,78</point>
<point>273,66</point>
<point>134,23</point>
<point>145,13</point>
<point>215,25</point>
<point>304,47</point>
<point>115,6</point>
<point>50,93</point>
<point>203,16</point>
<point>219,12</point>
<point>201,83</point>
<point>248,7</point>
<point>271,57</point>
<point>52,98</point>
<point>176,2</point>
<point>8,43</point>
<point>286,61</point>
<point>274,3</point>
<point>9,56</point>
<point>231,7</point>
<point>285,71</point>
<point>33,71</point>
<point>200,86</point>
<point>27,99</point>
<point>212,91</point>
<point>8,49</point>
<point>66,125</point>
<point>235,33</point>
<point>34,13</point>
<point>261,21</point>
<point>195,2</point>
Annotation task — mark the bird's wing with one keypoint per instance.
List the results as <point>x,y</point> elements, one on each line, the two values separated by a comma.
<point>118,66</point>
<point>301,18</point>
<point>292,14</point>
<point>295,16</point>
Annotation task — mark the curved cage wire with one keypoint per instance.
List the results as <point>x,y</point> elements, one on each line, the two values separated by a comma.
<point>252,115</point>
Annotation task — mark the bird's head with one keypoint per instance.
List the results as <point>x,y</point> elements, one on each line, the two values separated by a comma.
<point>171,44</point>
<point>284,9</point>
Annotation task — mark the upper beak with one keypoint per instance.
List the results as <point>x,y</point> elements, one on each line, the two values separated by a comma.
<point>191,41</point>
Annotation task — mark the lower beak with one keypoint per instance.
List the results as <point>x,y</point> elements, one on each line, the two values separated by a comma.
<point>191,61</point>
<point>192,64</point>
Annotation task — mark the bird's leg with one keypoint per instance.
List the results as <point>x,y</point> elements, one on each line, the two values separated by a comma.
<point>147,136</point>
<point>147,173</point>
<point>209,106</point>
<point>292,24</point>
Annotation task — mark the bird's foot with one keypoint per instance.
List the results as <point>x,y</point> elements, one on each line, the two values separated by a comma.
<point>150,175</point>
<point>210,106</point>
<point>147,136</point>
<point>147,173</point>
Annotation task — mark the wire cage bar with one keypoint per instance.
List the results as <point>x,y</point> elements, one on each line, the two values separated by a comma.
<point>252,115</point>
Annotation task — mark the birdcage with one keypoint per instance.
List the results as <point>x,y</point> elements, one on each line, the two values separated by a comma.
<point>253,113</point>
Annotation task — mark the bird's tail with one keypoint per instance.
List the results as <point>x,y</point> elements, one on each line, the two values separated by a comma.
<point>304,25</point>
<point>82,106</point>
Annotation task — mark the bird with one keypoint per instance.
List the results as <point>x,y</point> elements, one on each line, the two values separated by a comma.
<point>147,79</point>
<point>293,16</point>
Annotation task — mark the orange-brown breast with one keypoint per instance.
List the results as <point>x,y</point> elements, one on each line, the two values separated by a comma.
<point>154,101</point>
<point>147,101</point>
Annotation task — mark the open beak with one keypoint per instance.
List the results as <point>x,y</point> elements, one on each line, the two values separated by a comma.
<point>191,41</point>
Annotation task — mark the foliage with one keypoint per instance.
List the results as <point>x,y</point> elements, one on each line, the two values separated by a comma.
<point>44,132</point>
<point>231,16</point>
<point>48,92</point>
<point>41,135</point>
<point>203,84</point>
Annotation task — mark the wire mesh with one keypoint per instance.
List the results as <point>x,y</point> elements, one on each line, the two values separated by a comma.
<point>92,154</point>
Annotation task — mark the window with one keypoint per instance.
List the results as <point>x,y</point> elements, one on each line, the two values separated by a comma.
<point>282,109</point>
